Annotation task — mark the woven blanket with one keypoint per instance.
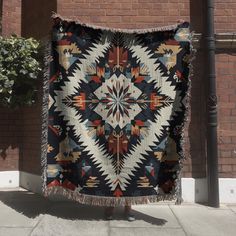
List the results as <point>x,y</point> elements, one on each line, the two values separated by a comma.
<point>115,114</point>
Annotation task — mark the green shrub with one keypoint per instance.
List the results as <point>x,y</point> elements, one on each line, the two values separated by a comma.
<point>19,71</point>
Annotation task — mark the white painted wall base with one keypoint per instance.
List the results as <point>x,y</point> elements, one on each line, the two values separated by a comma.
<point>193,190</point>
<point>227,189</point>
<point>9,179</point>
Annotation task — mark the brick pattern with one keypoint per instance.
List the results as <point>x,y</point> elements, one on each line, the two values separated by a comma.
<point>9,130</point>
<point>225,16</point>
<point>36,19</point>
<point>9,145</point>
<point>125,13</point>
<point>11,17</point>
<point>226,91</point>
<point>195,165</point>
<point>30,141</point>
<point>20,139</point>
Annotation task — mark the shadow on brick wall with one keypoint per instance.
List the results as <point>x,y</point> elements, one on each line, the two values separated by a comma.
<point>20,130</point>
<point>9,139</point>
<point>197,127</point>
<point>195,166</point>
<point>36,17</point>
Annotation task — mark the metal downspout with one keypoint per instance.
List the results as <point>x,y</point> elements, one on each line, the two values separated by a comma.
<point>212,147</point>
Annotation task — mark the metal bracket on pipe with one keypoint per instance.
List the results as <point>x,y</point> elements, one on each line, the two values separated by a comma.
<point>223,40</point>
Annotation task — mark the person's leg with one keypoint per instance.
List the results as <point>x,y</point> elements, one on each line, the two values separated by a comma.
<point>128,214</point>
<point>109,212</point>
<point>127,209</point>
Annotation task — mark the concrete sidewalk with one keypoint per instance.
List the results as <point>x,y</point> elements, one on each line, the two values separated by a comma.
<point>23,213</point>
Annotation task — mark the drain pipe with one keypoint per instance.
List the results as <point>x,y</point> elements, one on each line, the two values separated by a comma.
<point>212,147</point>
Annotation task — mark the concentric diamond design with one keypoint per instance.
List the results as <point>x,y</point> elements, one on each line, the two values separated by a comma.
<point>118,101</point>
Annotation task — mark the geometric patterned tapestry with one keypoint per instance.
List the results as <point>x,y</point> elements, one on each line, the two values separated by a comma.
<point>115,112</point>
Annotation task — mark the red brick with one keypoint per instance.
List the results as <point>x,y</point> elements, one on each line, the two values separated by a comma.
<point>226,168</point>
<point>11,12</point>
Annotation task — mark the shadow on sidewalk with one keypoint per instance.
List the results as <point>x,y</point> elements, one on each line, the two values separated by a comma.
<point>32,205</point>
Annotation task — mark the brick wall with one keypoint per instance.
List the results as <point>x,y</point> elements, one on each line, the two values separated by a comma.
<point>11,17</point>
<point>225,21</point>
<point>125,13</point>
<point>9,140</point>
<point>140,14</point>
<point>30,139</point>
<point>36,17</point>
<point>195,165</point>
<point>226,90</point>
<point>225,15</point>
<point>20,130</point>
<point>9,129</point>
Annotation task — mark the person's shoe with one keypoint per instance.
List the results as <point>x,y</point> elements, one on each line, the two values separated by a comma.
<point>130,217</point>
<point>109,217</point>
<point>109,213</point>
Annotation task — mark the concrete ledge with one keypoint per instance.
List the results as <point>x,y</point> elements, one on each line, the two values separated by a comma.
<point>9,179</point>
<point>194,190</point>
<point>31,182</point>
<point>227,189</point>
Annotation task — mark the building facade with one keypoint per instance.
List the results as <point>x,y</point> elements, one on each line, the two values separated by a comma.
<point>20,130</point>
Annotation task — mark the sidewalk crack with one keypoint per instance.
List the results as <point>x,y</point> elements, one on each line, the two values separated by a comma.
<point>178,221</point>
<point>231,209</point>
<point>39,221</point>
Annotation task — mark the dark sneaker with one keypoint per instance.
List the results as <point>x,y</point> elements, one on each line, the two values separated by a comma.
<point>130,217</point>
<point>109,217</point>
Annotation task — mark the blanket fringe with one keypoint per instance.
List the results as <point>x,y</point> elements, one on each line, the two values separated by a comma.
<point>138,31</point>
<point>106,201</point>
<point>45,101</point>
<point>184,155</point>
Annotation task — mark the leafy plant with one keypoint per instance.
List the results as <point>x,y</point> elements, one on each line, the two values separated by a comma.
<point>19,70</point>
